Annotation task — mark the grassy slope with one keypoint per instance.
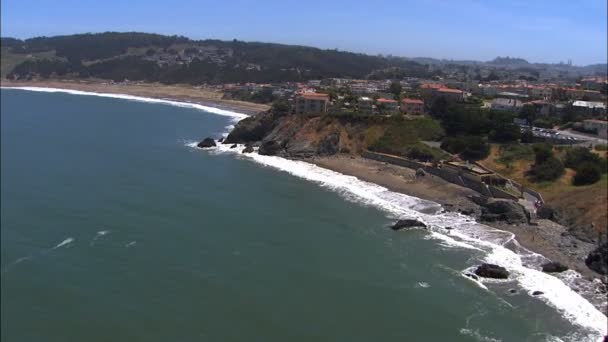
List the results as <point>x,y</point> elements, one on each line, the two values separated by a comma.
<point>585,204</point>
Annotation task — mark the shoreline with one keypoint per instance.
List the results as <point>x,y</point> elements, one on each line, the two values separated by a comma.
<point>546,237</point>
<point>431,189</point>
<point>178,93</point>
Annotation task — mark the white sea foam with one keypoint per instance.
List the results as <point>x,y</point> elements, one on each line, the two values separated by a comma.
<point>132,243</point>
<point>98,235</point>
<point>466,234</point>
<point>423,285</point>
<point>235,116</point>
<point>64,243</point>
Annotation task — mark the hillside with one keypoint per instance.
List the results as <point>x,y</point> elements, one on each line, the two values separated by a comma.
<point>579,206</point>
<point>176,59</point>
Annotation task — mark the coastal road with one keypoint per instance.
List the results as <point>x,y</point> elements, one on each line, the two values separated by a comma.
<point>589,139</point>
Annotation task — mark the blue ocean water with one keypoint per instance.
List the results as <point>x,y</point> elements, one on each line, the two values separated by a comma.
<point>113,228</point>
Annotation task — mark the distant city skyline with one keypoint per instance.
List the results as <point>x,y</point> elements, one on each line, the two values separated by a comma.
<point>539,31</point>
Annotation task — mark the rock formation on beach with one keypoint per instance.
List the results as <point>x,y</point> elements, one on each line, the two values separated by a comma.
<point>492,271</point>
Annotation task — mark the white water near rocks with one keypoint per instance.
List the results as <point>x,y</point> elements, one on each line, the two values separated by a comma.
<point>466,233</point>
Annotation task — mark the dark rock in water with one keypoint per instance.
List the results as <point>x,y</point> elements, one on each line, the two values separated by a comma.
<point>554,267</point>
<point>513,291</point>
<point>467,212</point>
<point>420,173</point>
<point>597,260</point>
<point>505,210</point>
<point>221,140</point>
<point>248,149</point>
<point>233,146</point>
<point>330,145</point>
<point>408,223</point>
<point>492,271</point>
<point>207,142</point>
<point>449,228</point>
<point>537,293</point>
<point>269,148</point>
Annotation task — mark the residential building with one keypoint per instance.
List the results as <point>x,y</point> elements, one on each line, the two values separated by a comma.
<point>511,95</point>
<point>387,106</point>
<point>452,95</point>
<point>412,106</point>
<point>590,108</point>
<point>599,126</point>
<point>366,105</point>
<point>539,92</point>
<point>542,107</point>
<point>311,103</point>
<point>512,105</point>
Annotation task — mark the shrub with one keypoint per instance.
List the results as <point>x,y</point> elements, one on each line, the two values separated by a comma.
<point>512,152</point>
<point>548,170</point>
<point>578,156</point>
<point>424,153</point>
<point>601,147</point>
<point>587,173</point>
<point>470,148</point>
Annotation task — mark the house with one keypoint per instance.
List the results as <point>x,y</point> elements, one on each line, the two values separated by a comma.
<point>542,107</point>
<point>511,105</point>
<point>590,108</point>
<point>311,103</point>
<point>599,126</point>
<point>452,95</point>
<point>511,95</point>
<point>412,106</point>
<point>387,106</point>
<point>539,92</point>
<point>366,105</point>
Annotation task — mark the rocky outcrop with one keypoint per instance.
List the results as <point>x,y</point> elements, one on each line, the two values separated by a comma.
<point>597,260</point>
<point>233,146</point>
<point>270,148</point>
<point>492,271</point>
<point>546,213</point>
<point>206,143</point>
<point>504,210</point>
<point>253,128</point>
<point>408,223</point>
<point>248,149</point>
<point>330,145</point>
<point>554,267</point>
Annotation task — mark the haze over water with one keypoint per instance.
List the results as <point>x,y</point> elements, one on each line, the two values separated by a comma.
<point>114,229</point>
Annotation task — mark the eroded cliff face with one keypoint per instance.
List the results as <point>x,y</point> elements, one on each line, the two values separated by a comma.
<point>297,136</point>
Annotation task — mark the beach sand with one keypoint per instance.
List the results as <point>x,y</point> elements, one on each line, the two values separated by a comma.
<point>183,93</point>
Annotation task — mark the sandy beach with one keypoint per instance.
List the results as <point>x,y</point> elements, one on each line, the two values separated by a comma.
<point>183,93</point>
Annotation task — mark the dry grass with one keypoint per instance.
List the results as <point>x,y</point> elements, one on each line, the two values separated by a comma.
<point>585,204</point>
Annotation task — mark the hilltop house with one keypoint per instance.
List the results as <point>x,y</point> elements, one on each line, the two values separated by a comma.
<point>412,106</point>
<point>311,103</point>
<point>366,105</point>
<point>512,105</point>
<point>387,106</point>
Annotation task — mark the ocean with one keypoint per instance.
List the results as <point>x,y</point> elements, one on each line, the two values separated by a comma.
<point>114,226</point>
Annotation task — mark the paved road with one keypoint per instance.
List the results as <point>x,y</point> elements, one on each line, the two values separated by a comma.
<point>589,139</point>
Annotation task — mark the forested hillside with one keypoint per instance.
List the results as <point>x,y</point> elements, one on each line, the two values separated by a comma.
<point>175,59</point>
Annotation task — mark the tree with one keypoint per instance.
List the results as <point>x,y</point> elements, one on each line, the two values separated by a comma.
<point>395,88</point>
<point>546,167</point>
<point>587,173</point>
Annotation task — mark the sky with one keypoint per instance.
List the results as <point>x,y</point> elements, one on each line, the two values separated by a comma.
<point>537,30</point>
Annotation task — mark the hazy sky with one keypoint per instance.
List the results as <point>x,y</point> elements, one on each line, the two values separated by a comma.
<point>538,30</point>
